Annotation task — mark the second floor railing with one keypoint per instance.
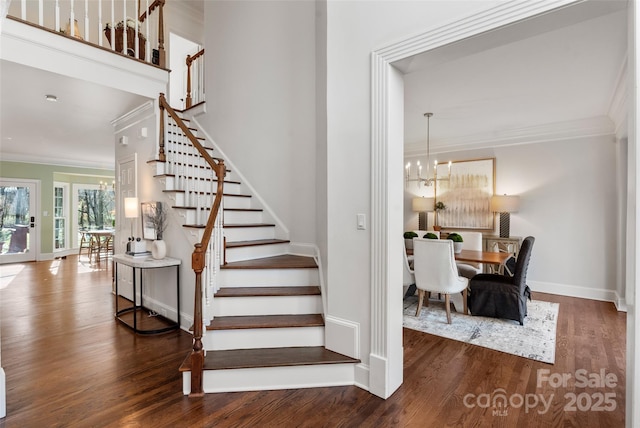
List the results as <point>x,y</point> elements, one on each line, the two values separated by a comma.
<point>131,27</point>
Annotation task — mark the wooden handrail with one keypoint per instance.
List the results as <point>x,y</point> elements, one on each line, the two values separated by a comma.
<point>189,61</point>
<point>198,256</point>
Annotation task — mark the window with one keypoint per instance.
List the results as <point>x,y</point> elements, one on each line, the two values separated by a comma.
<point>60,216</point>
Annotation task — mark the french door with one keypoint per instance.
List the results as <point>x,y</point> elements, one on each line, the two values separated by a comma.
<point>19,234</point>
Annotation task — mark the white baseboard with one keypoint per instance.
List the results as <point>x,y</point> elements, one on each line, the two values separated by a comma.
<point>3,394</point>
<point>342,336</point>
<point>574,291</point>
<point>301,249</point>
<point>362,376</point>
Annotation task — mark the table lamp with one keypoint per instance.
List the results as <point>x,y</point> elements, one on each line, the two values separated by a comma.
<point>131,211</point>
<point>422,205</point>
<point>505,205</point>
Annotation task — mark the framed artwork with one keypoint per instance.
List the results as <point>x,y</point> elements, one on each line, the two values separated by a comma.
<point>465,188</point>
<point>150,212</point>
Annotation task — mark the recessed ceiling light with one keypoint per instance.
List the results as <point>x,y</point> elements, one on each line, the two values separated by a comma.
<point>51,98</point>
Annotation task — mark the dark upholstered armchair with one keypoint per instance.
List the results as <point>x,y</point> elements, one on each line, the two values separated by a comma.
<point>501,296</point>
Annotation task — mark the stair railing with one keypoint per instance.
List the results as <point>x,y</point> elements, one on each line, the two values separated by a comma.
<point>207,252</point>
<point>197,61</point>
<point>85,20</point>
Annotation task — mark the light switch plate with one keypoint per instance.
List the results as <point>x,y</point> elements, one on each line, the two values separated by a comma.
<point>362,224</point>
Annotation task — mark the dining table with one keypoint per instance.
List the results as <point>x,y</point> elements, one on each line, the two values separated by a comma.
<point>495,260</point>
<point>101,242</point>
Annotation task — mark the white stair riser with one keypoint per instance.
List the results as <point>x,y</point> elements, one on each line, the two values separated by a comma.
<point>260,379</point>
<point>216,340</point>
<point>234,234</point>
<point>237,217</point>
<point>268,277</point>
<point>255,252</point>
<point>267,305</point>
<point>237,202</point>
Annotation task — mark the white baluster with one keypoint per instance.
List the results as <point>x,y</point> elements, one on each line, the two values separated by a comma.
<point>125,45</point>
<point>198,213</point>
<point>86,20</point>
<point>40,13</point>
<point>23,10</point>
<point>113,25</point>
<point>136,30</point>
<point>57,14</point>
<point>100,24</point>
<point>72,19</point>
<point>148,42</point>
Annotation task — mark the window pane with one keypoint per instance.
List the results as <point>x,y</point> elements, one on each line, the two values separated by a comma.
<point>96,209</point>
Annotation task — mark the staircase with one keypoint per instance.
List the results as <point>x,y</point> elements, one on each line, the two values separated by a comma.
<point>264,322</point>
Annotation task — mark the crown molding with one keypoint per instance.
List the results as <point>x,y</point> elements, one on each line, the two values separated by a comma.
<point>582,128</point>
<point>106,165</point>
<point>618,104</point>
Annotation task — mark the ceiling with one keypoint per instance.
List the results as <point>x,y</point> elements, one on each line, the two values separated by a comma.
<point>556,71</point>
<point>75,131</point>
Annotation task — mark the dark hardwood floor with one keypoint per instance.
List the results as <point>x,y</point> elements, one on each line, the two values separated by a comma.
<point>68,363</point>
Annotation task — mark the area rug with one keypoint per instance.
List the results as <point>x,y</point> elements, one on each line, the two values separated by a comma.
<point>535,340</point>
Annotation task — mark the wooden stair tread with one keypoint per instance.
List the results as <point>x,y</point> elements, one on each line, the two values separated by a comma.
<point>285,261</point>
<point>307,290</point>
<point>202,179</point>
<point>265,321</point>
<point>244,209</point>
<point>269,357</point>
<point>238,244</point>
<point>248,225</point>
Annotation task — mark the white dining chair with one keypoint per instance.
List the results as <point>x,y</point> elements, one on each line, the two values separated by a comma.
<point>436,272</point>
<point>470,241</point>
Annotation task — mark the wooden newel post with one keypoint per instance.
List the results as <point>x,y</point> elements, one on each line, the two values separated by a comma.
<point>188,101</point>
<point>162,56</point>
<point>197,355</point>
<point>161,153</point>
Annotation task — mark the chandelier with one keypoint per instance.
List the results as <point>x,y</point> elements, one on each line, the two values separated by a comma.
<point>104,186</point>
<point>426,180</point>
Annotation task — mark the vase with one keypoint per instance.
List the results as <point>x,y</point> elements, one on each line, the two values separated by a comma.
<point>408,243</point>
<point>159,249</point>
<point>457,247</point>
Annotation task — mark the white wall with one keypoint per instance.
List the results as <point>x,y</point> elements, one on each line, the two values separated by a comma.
<point>260,66</point>
<point>354,31</point>
<point>569,203</point>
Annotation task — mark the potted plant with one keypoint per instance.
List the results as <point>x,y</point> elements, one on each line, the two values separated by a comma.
<point>457,242</point>
<point>408,239</point>
<point>430,236</point>
<point>439,206</point>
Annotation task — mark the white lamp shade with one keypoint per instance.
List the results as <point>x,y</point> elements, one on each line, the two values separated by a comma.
<point>131,207</point>
<point>422,204</point>
<point>505,203</point>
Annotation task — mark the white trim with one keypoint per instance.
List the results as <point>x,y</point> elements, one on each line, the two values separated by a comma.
<point>34,208</point>
<point>65,208</point>
<point>582,128</point>
<point>3,394</point>
<point>342,336</point>
<point>574,291</point>
<point>383,368</point>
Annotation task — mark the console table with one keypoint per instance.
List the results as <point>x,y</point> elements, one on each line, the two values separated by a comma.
<point>139,264</point>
